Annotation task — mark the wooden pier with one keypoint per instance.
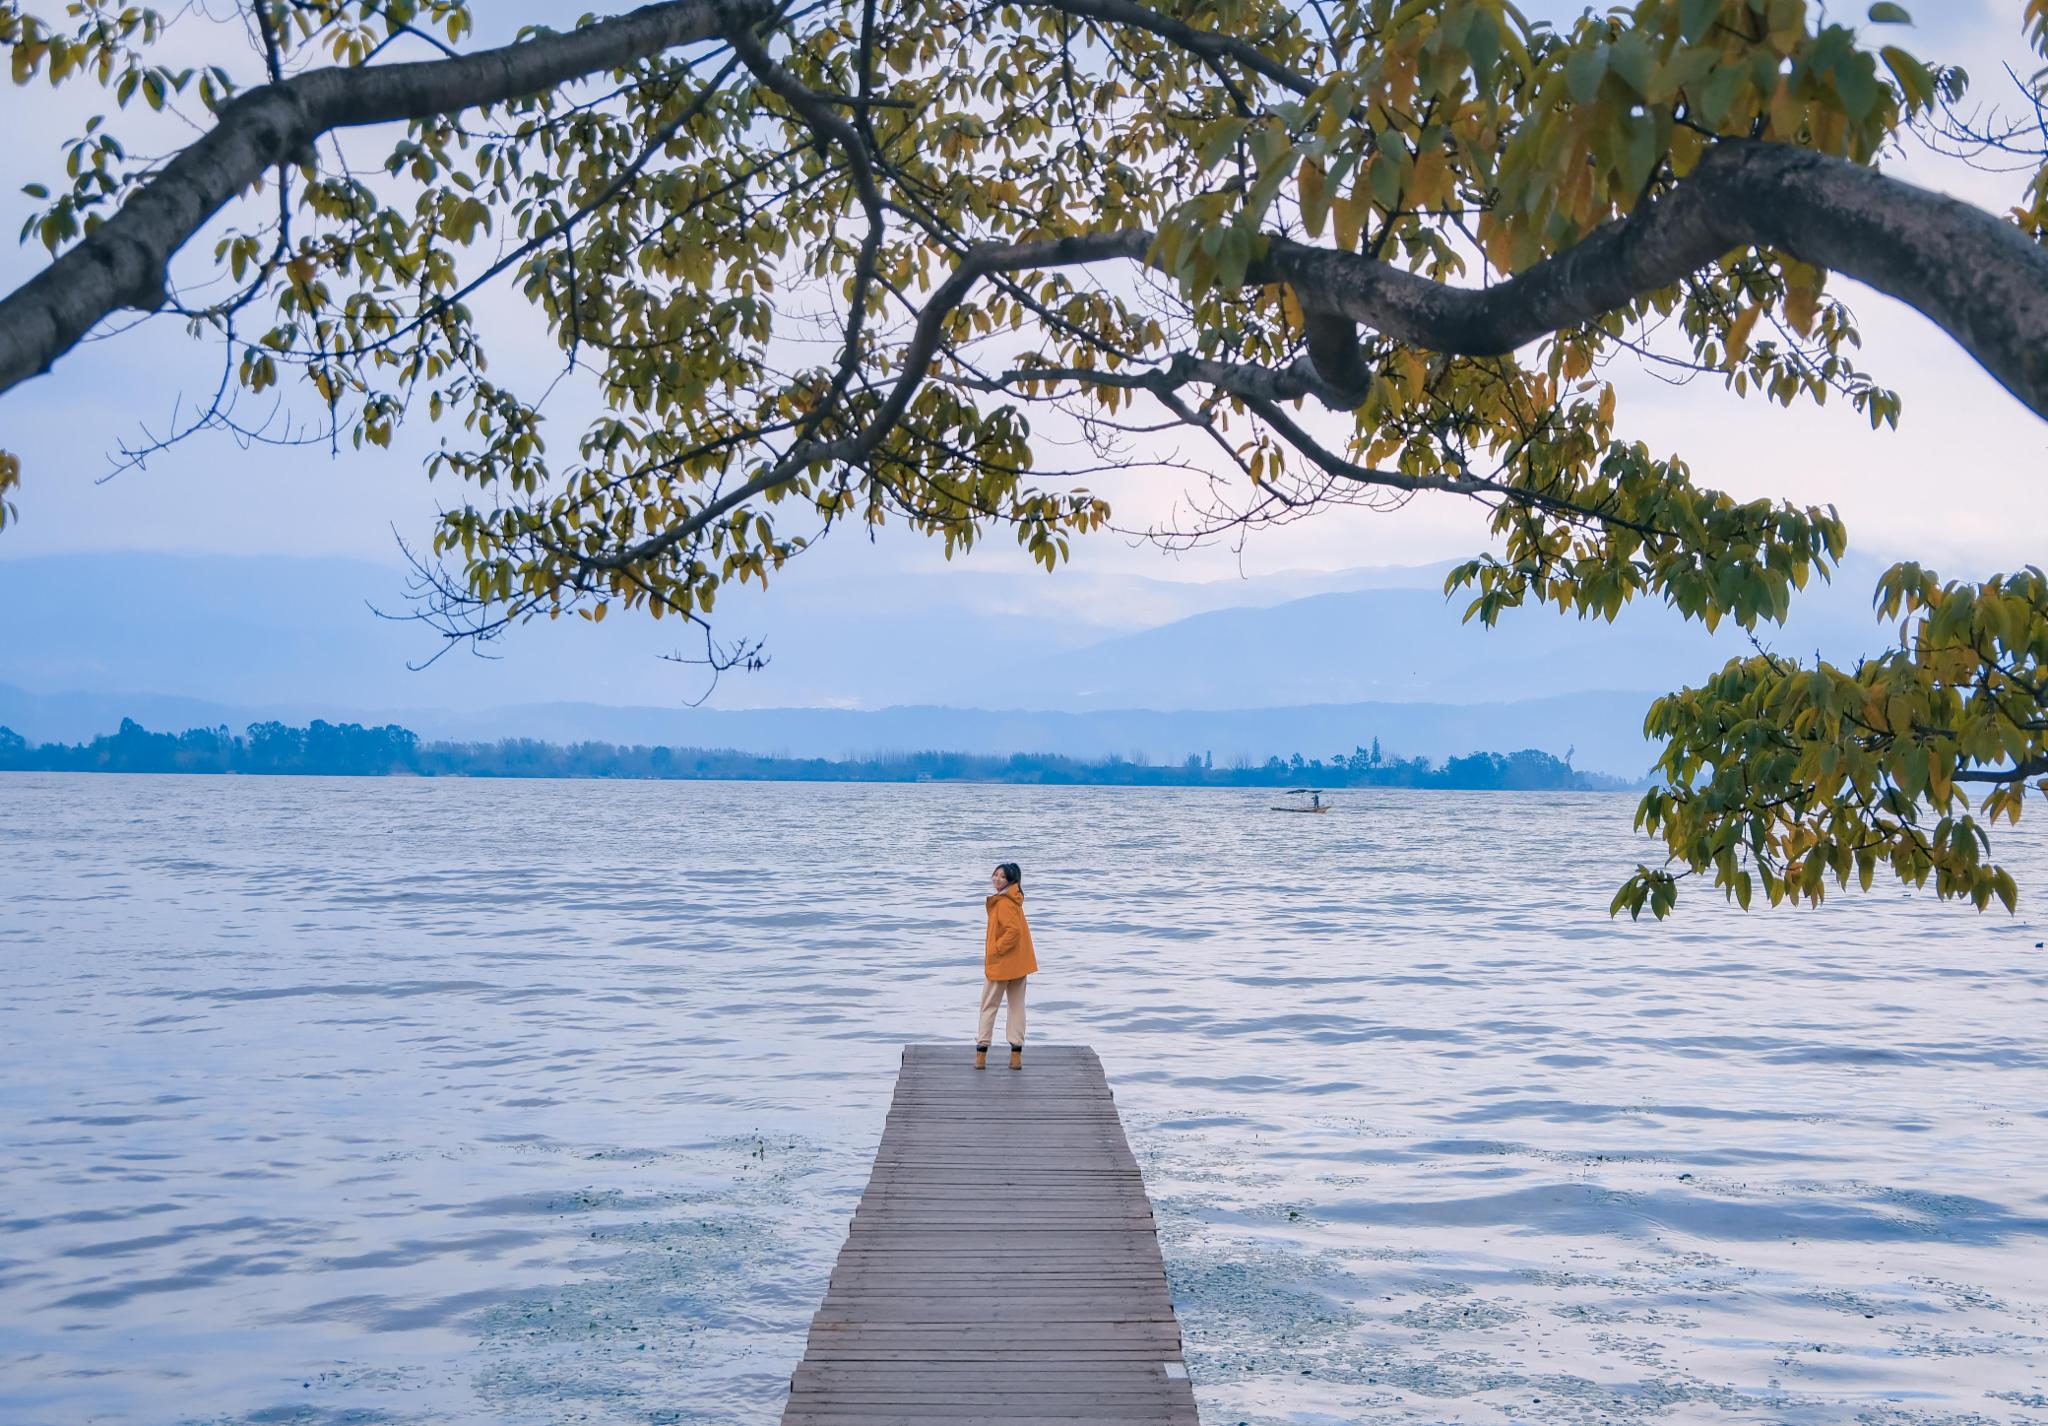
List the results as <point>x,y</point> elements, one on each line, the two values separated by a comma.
<point>1003,1266</point>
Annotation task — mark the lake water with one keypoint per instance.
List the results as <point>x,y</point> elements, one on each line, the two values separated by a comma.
<point>400,1101</point>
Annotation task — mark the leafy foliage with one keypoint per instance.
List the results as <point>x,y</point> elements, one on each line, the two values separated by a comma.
<point>1793,775</point>
<point>870,260</point>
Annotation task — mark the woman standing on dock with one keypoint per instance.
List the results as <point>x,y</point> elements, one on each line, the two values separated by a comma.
<point>1006,959</point>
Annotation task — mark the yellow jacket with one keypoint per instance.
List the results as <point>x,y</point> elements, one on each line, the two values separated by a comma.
<point>1008,953</point>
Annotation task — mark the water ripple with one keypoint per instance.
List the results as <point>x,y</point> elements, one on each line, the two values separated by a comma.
<point>351,1103</point>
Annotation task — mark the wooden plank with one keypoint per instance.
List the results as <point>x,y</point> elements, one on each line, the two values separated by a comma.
<point>1003,1264</point>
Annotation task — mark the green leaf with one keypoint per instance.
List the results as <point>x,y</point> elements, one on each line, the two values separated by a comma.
<point>1269,142</point>
<point>1482,47</point>
<point>1639,154</point>
<point>1233,257</point>
<point>1222,139</point>
<point>1583,73</point>
<point>1386,181</point>
<point>1856,84</point>
<point>1266,189</point>
<point>1887,13</point>
<point>1632,60</point>
<point>1728,81</point>
<point>1696,17</point>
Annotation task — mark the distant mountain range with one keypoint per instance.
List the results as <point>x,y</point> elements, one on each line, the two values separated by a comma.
<point>266,629</point>
<point>958,660</point>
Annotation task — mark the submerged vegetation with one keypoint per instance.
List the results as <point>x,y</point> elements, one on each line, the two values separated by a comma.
<point>351,750</point>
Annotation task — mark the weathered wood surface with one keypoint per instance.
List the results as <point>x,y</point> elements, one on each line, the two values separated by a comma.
<point>1003,1266</point>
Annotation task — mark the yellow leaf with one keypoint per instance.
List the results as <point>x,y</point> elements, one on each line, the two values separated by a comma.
<point>1431,183</point>
<point>1802,304</point>
<point>1290,310</point>
<point>1738,333</point>
<point>1349,215</point>
<point>1314,201</point>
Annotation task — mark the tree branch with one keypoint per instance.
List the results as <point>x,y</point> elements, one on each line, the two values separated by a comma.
<point>1210,45</point>
<point>2019,772</point>
<point>122,263</point>
<point>917,360</point>
<point>1974,275</point>
<point>1971,273</point>
<point>852,140</point>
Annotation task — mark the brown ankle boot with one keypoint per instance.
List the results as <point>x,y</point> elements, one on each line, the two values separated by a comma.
<point>1016,1057</point>
<point>981,1056</point>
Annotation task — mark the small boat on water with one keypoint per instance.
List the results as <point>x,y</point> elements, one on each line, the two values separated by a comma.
<point>1303,799</point>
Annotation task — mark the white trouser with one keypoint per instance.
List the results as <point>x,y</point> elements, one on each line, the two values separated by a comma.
<point>992,993</point>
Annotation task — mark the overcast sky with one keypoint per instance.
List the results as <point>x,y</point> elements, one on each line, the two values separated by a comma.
<point>1960,484</point>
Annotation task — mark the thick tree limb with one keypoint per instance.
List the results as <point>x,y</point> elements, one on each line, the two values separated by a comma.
<point>122,263</point>
<point>1972,274</point>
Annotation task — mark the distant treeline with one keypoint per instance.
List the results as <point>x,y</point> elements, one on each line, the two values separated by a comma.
<point>350,750</point>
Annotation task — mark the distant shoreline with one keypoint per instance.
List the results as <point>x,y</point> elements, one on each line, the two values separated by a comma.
<point>349,750</point>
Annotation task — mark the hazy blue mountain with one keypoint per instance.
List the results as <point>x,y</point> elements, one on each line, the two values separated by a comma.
<point>1408,644</point>
<point>1301,662</point>
<point>300,633</point>
<point>277,630</point>
<point>73,717</point>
